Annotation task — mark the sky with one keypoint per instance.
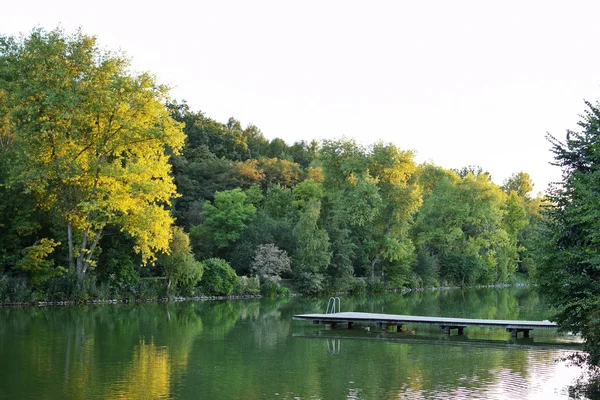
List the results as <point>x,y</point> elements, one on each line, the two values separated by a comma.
<point>458,82</point>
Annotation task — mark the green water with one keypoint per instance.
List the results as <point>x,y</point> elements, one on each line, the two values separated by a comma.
<point>254,350</point>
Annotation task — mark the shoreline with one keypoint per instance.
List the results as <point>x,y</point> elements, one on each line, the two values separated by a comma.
<point>243,297</point>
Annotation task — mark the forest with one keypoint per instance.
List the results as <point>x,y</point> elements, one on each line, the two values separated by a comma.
<point>109,188</point>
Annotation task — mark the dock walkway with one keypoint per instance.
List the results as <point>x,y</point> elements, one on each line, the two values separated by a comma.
<point>387,320</point>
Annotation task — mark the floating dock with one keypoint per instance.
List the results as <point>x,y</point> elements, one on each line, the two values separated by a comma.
<point>447,324</point>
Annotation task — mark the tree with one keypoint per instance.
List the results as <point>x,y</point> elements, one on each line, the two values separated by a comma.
<point>463,226</point>
<point>34,261</point>
<point>219,278</point>
<point>262,229</point>
<point>90,139</point>
<point>569,275</point>
<point>340,270</point>
<point>179,265</point>
<point>520,183</point>
<point>269,263</point>
<point>312,253</point>
<point>226,218</point>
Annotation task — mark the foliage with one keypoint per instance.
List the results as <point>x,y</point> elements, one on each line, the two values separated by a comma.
<point>34,261</point>
<point>225,219</point>
<point>117,262</point>
<point>273,289</point>
<point>15,290</point>
<point>463,225</point>
<point>312,253</point>
<point>269,263</point>
<point>263,229</point>
<point>94,157</point>
<point>179,265</point>
<point>520,183</point>
<point>219,278</point>
<point>570,272</point>
<point>90,139</point>
<point>247,286</point>
<point>340,271</point>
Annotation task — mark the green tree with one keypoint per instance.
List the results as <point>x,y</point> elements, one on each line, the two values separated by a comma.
<point>464,225</point>
<point>262,229</point>
<point>179,265</point>
<point>340,271</point>
<point>219,278</point>
<point>90,139</point>
<point>34,261</point>
<point>520,183</point>
<point>395,172</point>
<point>569,275</point>
<point>226,218</point>
<point>312,253</point>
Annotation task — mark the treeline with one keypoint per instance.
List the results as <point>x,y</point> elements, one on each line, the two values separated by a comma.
<point>342,211</point>
<point>105,183</point>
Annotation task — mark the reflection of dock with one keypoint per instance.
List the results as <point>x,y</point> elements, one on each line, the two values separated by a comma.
<point>330,336</point>
<point>392,320</point>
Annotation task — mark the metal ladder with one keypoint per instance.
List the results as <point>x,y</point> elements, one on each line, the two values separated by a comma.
<point>334,305</point>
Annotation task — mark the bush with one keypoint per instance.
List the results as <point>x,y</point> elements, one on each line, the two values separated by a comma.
<point>151,288</point>
<point>219,278</point>
<point>247,286</point>
<point>272,289</point>
<point>358,286</point>
<point>15,290</point>
<point>309,283</point>
<point>269,263</point>
<point>376,285</point>
<point>34,261</point>
<point>67,288</point>
<point>179,266</point>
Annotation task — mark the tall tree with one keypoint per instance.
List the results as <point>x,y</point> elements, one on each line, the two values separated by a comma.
<point>520,183</point>
<point>312,253</point>
<point>90,139</point>
<point>570,273</point>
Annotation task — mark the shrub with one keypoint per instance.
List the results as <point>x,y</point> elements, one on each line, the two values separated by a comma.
<point>272,289</point>
<point>15,290</point>
<point>358,286</point>
<point>270,262</point>
<point>179,265</point>
<point>219,278</point>
<point>309,283</point>
<point>247,286</point>
<point>376,285</point>
<point>34,261</point>
<point>67,288</point>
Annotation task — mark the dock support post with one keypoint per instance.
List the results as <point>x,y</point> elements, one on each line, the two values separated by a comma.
<point>393,327</point>
<point>460,330</point>
<point>515,332</point>
<point>350,324</point>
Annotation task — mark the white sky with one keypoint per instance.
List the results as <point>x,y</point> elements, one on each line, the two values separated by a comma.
<point>460,82</point>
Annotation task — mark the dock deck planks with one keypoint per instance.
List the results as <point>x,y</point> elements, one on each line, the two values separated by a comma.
<point>393,319</point>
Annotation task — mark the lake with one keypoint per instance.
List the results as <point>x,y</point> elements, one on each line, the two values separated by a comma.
<point>252,349</point>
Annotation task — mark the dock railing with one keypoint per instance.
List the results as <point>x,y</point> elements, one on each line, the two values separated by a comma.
<point>334,305</point>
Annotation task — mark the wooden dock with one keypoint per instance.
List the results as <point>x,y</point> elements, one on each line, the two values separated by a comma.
<point>447,324</point>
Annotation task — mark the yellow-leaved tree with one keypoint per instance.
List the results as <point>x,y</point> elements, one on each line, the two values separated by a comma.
<point>91,139</point>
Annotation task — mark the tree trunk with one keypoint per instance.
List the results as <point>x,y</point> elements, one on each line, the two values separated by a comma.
<point>70,240</point>
<point>86,264</point>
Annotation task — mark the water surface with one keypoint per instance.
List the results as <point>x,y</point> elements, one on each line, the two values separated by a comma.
<point>254,350</point>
